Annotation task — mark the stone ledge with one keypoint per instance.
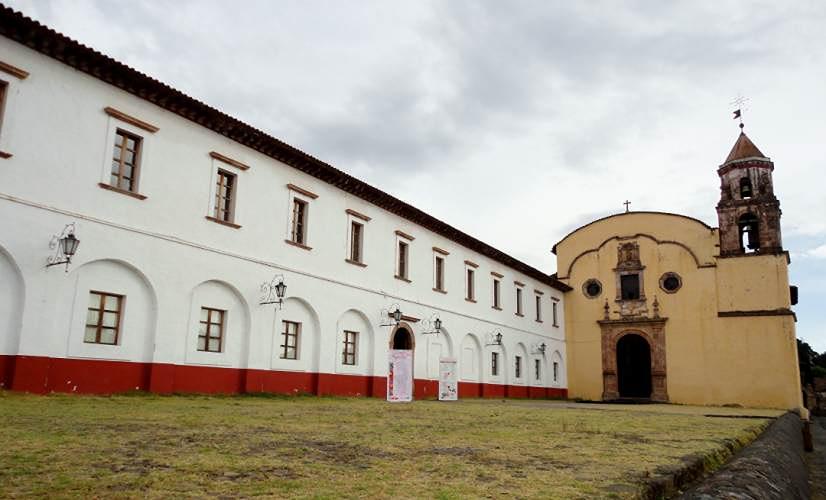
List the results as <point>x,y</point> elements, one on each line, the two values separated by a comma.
<point>772,467</point>
<point>670,481</point>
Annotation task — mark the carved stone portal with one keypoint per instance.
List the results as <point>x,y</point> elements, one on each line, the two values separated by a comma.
<point>653,331</point>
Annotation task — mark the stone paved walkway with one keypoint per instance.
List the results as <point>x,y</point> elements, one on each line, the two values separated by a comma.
<point>816,461</point>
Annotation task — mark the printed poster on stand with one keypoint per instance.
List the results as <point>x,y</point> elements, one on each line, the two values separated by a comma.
<point>448,380</point>
<point>400,376</point>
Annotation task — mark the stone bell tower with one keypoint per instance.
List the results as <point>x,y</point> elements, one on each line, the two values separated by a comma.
<point>748,212</point>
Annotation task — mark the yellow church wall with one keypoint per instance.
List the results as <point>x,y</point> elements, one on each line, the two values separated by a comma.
<point>710,360</point>
<point>584,348</point>
<point>684,329</point>
<point>699,238</point>
<point>756,358</point>
<point>690,312</point>
<point>754,282</point>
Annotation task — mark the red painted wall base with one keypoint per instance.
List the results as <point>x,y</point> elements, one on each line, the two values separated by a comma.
<point>42,375</point>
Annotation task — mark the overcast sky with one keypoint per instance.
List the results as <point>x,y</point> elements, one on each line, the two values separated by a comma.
<point>514,121</point>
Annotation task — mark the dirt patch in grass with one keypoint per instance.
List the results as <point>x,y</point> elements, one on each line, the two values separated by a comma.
<point>455,451</point>
<point>184,446</point>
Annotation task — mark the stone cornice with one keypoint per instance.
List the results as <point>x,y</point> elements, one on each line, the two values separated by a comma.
<point>633,321</point>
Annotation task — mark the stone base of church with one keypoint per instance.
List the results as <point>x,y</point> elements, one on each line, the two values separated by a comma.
<point>43,375</point>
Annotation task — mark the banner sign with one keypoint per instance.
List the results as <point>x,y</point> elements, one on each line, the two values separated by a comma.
<point>400,376</point>
<point>448,380</point>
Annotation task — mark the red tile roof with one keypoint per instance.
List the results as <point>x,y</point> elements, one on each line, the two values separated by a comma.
<point>15,26</point>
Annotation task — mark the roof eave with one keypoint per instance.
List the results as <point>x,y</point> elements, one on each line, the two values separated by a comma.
<point>30,33</point>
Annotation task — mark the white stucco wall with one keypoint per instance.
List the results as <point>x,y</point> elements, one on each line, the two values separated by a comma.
<point>138,317</point>
<point>169,260</point>
<point>12,294</point>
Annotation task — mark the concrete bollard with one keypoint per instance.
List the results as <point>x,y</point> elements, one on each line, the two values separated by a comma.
<point>808,444</point>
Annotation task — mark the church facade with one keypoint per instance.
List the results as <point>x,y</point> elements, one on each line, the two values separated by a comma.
<point>667,308</point>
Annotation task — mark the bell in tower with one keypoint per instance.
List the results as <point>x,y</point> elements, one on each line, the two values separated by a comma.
<point>748,212</point>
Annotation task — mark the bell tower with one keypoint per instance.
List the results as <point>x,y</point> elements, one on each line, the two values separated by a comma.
<point>748,212</point>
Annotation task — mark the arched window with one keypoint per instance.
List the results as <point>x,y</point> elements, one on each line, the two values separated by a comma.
<point>746,191</point>
<point>749,235</point>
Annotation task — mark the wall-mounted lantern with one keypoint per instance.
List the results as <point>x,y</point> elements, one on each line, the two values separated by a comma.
<point>495,338</point>
<point>65,246</point>
<point>273,292</point>
<point>397,315</point>
<point>394,313</point>
<point>435,323</point>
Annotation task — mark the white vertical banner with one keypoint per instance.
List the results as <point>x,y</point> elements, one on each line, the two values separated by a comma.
<point>400,376</point>
<point>448,380</point>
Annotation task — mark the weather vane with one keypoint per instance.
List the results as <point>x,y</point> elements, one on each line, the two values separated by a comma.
<point>740,103</point>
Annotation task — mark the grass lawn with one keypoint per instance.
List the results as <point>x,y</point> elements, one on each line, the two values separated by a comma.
<point>184,446</point>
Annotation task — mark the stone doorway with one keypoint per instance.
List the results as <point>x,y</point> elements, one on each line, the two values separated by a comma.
<point>633,367</point>
<point>649,331</point>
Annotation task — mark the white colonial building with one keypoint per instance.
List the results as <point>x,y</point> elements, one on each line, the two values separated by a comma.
<point>182,212</point>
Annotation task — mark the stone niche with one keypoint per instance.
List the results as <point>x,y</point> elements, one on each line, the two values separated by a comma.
<point>630,279</point>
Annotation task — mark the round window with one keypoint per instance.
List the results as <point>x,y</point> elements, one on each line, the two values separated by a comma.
<point>671,282</point>
<point>592,288</point>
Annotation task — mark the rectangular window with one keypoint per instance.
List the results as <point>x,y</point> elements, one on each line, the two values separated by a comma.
<point>630,285</point>
<point>103,318</point>
<point>355,241</point>
<point>538,308</point>
<point>440,273</point>
<point>298,233</point>
<point>537,367</point>
<point>289,340</point>
<point>225,196</point>
<point>211,332</point>
<point>402,270</point>
<point>494,363</point>
<point>497,303</point>
<point>556,371</point>
<point>553,310</point>
<point>518,367</point>
<point>4,87</point>
<point>519,302</point>
<point>349,353</point>
<point>125,161</point>
<point>471,283</point>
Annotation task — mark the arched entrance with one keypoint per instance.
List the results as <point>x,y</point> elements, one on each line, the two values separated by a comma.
<point>652,365</point>
<point>402,339</point>
<point>400,364</point>
<point>634,367</point>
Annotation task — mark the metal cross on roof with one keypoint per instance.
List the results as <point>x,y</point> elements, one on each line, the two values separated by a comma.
<point>627,204</point>
<point>739,102</point>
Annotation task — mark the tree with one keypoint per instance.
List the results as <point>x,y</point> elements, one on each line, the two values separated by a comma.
<point>819,360</point>
<point>819,365</point>
<point>805,358</point>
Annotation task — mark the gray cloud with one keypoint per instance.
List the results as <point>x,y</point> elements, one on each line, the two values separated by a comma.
<point>506,70</point>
